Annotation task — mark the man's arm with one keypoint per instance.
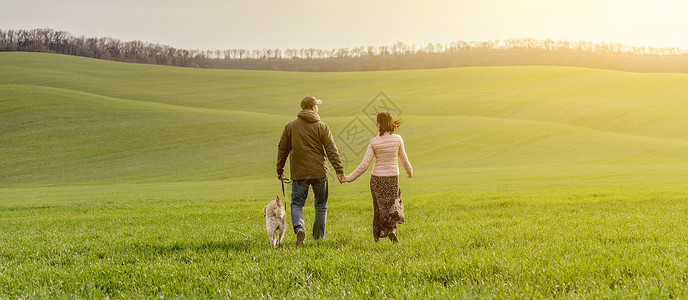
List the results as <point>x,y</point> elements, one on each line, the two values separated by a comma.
<point>331,151</point>
<point>283,150</point>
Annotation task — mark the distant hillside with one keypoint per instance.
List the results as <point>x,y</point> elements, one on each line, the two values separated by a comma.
<point>72,120</point>
<point>400,56</point>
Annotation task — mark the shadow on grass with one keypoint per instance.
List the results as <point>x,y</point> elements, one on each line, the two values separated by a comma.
<point>234,246</point>
<point>248,245</point>
<point>181,247</point>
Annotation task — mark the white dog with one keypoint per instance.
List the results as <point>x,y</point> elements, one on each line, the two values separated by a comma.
<point>275,221</point>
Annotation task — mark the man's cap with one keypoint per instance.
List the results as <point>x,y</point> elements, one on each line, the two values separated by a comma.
<point>309,101</point>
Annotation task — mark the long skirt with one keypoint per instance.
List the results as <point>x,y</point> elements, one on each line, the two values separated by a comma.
<point>387,204</point>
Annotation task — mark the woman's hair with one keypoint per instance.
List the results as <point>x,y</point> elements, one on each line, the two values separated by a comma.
<point>387,123</point>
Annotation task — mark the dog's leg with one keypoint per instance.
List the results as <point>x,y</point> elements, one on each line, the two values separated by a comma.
<point>281,231</point>
<point>273,241</point>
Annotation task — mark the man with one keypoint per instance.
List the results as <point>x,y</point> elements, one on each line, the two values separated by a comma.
<point>311,145</point>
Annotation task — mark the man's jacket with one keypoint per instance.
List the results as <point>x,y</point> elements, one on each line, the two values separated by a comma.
<point>310,143</point>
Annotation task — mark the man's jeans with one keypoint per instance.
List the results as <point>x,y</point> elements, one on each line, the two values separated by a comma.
<point>299,193</point>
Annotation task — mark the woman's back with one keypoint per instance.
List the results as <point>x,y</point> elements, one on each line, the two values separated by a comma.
<point>386,150</point>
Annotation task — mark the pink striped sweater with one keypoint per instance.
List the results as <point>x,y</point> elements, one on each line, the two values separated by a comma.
<point>387,150</point>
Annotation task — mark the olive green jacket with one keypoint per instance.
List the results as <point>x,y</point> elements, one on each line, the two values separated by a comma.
<point>310,143</point>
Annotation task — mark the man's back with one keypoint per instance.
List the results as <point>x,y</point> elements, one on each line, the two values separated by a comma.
<point>310,143</point>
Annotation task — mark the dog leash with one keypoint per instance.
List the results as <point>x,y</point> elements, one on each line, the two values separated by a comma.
<point>287,181</point>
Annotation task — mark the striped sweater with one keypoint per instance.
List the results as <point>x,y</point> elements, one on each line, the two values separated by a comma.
<point>386,150</point>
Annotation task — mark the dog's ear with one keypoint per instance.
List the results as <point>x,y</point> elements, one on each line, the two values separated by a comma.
<point>278,198</point>
<point>265,211</point>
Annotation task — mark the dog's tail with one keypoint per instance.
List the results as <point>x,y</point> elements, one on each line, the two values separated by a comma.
<point>280,210</point>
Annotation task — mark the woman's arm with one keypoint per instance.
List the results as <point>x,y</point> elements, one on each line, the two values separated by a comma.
<point>404,159</point>
<point>367,159</point>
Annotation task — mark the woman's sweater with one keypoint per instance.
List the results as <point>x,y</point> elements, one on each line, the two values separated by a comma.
<point>387,150</point>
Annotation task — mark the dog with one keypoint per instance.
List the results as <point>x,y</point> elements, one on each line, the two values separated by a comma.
<point>275,221</point>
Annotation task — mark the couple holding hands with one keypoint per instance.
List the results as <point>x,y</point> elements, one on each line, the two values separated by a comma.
<point>309,144</point>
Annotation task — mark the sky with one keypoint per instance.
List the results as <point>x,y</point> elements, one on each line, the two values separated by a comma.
<point>328,24</point>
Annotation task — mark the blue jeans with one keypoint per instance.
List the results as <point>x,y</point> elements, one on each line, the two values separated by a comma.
<point>299,193</point>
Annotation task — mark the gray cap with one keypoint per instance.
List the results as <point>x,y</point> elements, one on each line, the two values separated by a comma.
<point>309,101</point>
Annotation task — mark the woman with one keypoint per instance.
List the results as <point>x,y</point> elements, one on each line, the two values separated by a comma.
<point>387,149</point>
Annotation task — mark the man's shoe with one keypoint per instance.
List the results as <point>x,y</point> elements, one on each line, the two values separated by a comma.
<point>300,236</point>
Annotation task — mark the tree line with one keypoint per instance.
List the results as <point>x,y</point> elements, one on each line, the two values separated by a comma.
<point>398,56</point>
<point>401,49</point>
<point>53,41</point>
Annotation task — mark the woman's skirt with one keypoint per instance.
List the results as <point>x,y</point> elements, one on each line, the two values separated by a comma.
<point>387,204</point>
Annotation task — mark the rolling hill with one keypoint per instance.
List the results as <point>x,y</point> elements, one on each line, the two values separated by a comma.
<point>71,120</point>
<point>132,181</point>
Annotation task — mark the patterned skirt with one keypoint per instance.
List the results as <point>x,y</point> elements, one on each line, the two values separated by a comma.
<point>387,204</point>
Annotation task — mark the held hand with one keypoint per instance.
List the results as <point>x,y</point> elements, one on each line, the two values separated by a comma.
<point>342,178</point>
<point>280,177</point>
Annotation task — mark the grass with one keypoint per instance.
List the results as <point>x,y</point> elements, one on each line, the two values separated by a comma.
<point>135,181</point>
<point>188,240</point>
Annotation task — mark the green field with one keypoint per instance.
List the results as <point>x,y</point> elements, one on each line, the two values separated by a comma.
<point>137,181</point>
